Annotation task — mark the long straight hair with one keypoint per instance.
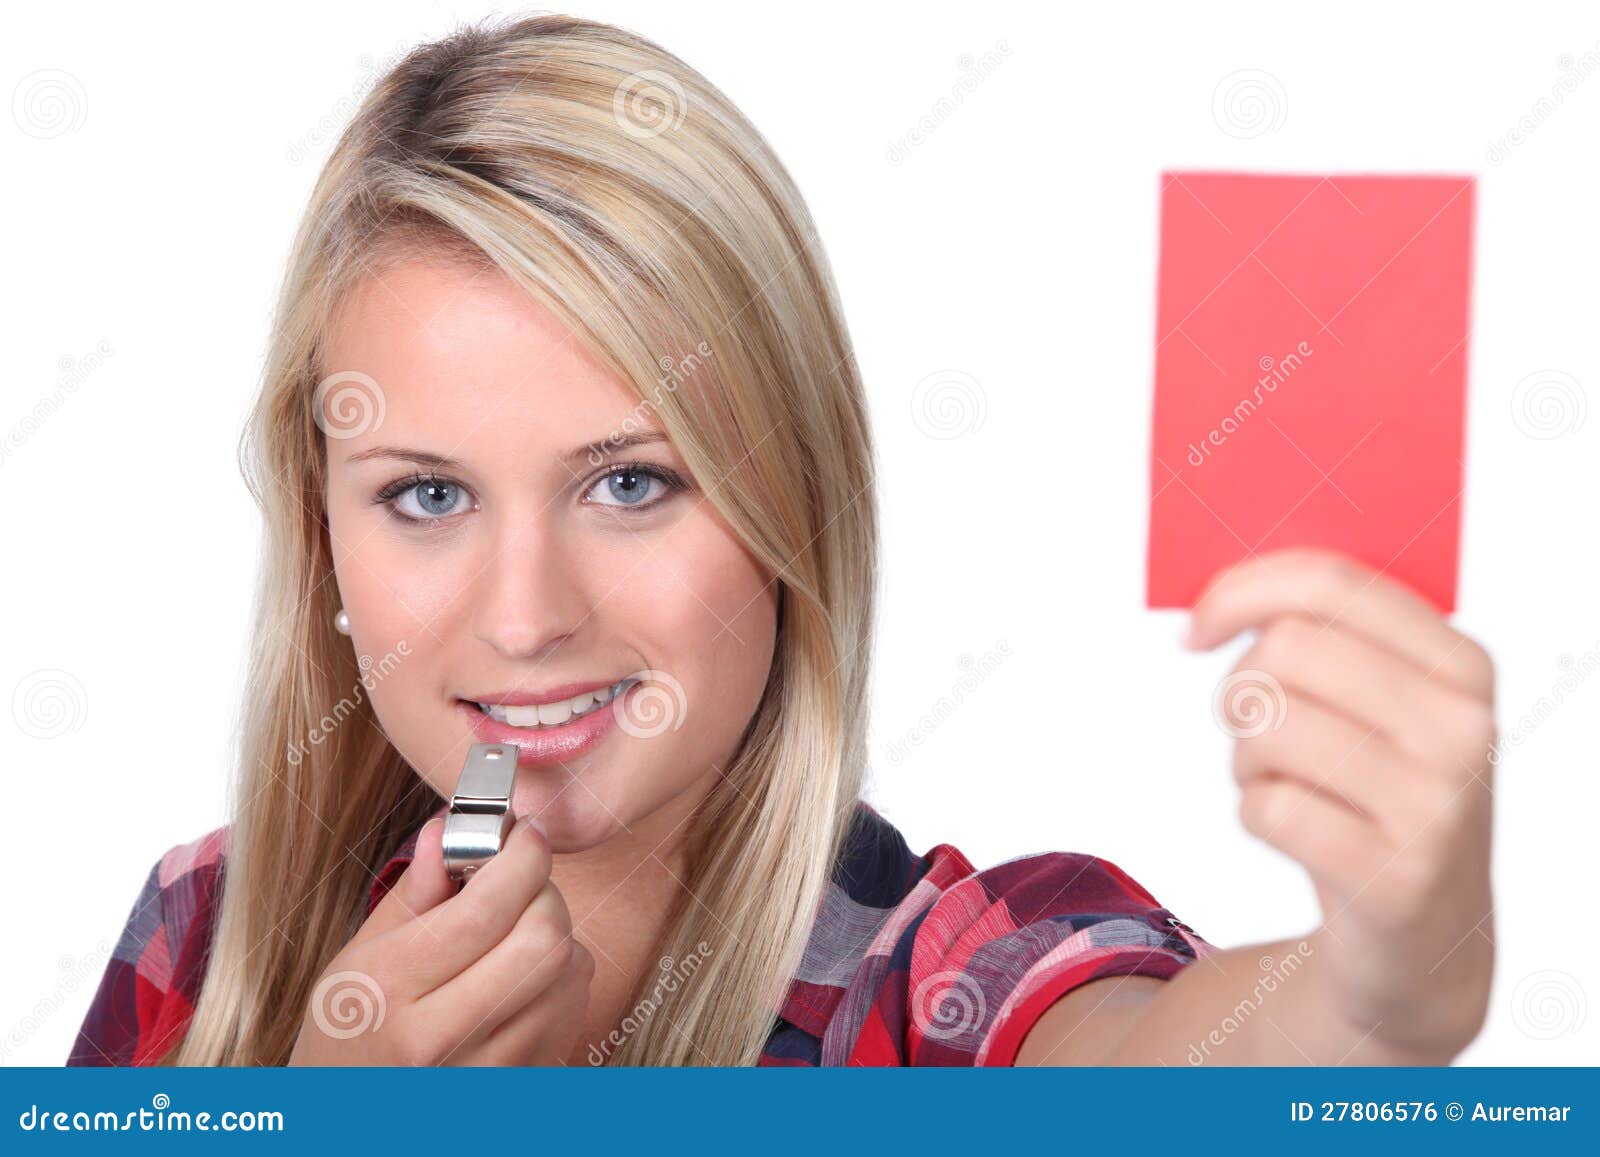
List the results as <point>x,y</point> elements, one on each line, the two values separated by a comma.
<point>623,191</point>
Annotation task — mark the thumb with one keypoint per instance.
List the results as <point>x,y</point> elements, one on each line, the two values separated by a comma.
<point>423,885</point>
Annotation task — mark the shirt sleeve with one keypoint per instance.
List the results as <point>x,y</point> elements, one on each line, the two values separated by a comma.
<point>997,948</point>
<point>152,981</point>
<point>132,988</point>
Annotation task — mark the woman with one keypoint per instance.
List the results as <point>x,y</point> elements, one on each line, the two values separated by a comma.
<point>561,445</point>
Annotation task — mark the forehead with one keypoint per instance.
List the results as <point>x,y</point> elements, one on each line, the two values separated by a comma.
<point>464,355</point>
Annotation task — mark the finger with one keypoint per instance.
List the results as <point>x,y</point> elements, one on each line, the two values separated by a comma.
<point>443,942</point>
<point>528,1035</point>
<point>1354,766</point>
<point>1337,847</point>
<point>422,886</point>
<point>1355,677</point>
<point>1331,588</point>
<point>514,973</point>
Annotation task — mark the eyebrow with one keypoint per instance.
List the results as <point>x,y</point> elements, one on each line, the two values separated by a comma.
<point>601,446</point>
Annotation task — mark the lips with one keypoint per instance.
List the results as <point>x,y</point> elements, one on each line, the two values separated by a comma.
<point>552,713</point>
<point>546,743</point>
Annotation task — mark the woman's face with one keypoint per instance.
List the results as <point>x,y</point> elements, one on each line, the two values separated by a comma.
<point>493,543</point>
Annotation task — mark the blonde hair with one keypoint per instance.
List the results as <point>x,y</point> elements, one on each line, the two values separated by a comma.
<point>626,193</point>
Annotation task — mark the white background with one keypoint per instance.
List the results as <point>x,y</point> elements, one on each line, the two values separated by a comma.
<point>1015,243</point>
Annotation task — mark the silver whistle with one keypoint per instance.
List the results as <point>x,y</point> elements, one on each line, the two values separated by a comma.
<point>480,810</point>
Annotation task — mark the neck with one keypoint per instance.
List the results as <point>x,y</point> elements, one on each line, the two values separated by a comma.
<point>621,894</point>
<point>642,866</point>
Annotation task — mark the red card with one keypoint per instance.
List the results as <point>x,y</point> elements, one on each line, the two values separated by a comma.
<point>1310,375</point>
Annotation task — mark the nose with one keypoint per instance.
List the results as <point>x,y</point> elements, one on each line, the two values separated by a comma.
<point>527,599</point>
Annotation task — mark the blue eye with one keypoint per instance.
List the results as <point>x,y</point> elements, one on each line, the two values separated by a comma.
<point>635,486</point>
<point>423,499</point>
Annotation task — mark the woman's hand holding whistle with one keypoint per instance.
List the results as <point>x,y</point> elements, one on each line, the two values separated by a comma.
<point>489,975</point>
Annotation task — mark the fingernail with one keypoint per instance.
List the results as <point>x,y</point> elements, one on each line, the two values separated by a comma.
<point>536,824</point>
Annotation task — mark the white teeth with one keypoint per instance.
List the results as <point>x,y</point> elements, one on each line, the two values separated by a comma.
<point>520,716</point>
<point>554,714</point>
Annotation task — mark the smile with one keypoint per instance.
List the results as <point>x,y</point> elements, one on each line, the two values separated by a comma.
<point>534,717</point>
<point>547,734</point>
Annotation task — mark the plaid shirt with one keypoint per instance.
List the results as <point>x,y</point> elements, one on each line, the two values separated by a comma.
<point>912,960</point>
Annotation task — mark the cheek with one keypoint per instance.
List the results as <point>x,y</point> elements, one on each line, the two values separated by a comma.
<point>388,588</point>
<point>399,613</point>
<point>706,614</point>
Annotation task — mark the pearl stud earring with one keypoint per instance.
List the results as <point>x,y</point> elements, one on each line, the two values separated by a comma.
<point>341,622</point>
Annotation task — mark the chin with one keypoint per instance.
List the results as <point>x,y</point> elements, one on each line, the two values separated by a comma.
<point>572,824</point>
